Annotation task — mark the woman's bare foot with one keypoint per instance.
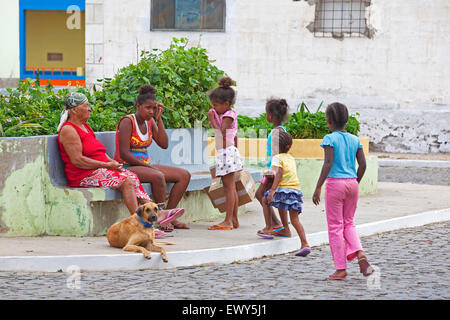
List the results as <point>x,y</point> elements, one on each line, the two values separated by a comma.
<point>167,227</point>
<point>179,225</point>
<point>235,223</point>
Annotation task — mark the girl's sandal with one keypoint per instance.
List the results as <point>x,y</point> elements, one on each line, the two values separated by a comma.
<point>172,215</point>
<point>364,267</point>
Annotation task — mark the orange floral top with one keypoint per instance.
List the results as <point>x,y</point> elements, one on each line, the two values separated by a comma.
<point>138,143</point>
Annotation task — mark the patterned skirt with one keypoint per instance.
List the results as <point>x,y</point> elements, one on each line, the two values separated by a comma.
<point>105,178</point>
<point>286,199</point>
<point>228,160</point>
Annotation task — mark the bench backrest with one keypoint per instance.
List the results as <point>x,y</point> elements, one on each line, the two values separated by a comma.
<point>187,149</point>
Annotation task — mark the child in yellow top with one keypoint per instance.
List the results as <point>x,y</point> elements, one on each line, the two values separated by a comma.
<point>285,192</point>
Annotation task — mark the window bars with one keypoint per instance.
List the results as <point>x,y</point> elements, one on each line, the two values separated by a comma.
<point>334,18</point>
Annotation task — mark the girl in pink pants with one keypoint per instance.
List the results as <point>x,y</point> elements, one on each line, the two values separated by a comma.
<point>341,191</point>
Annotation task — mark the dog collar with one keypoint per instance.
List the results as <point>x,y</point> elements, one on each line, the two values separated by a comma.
<point>146,224</point>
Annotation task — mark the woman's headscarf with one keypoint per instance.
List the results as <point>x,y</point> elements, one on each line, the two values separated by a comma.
<point>71,101</point>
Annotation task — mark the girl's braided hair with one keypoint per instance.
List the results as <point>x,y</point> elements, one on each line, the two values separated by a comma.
<point>284,141</point>
<point>338,113</point>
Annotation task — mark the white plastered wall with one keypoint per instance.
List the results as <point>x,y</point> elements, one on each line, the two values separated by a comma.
<point>9,35</point>
<point>398,80</point>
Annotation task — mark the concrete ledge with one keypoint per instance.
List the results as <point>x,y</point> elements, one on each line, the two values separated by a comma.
<point>133,261</point>
<point>308,171</point>
<point>414,163</point>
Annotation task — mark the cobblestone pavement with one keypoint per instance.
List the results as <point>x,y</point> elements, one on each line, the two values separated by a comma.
<point>439,156</point>
<point>410,263</point>
<point>432,176</point>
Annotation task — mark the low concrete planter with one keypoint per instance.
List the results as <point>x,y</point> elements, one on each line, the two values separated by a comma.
<point>309,158</point>
<point>301,148</point>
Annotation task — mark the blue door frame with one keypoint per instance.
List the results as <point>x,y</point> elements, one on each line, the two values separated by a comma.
<point>42,5</point>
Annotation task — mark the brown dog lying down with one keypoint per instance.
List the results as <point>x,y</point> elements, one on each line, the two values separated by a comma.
<point>136,233</point>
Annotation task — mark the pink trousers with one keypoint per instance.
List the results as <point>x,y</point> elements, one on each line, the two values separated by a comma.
<point>341,199</point>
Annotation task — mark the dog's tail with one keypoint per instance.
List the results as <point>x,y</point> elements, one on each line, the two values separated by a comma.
<point>164,242</point>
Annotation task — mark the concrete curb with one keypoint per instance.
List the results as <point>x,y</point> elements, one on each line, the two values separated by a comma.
<point>135,261</point>
<point>414,163</point>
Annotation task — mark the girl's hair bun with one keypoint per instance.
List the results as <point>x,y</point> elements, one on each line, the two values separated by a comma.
<point>146,92</point>
<point>147,88</point>
<point>225,82</point>
<point>278,108</point>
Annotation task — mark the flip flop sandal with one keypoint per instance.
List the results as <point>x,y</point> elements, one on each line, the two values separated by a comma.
<point>172,215</point>
<point>275,229</point>
<point>218,227</point>
<point>281,235</point>
<point>303,252</point>
<point>276,234</point>
<point>264,235</point>
<point>365,268</point>
<point>159,234</point>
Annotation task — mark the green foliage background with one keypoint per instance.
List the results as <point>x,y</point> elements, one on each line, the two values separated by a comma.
<point>181,75</point>
<point>302,124</point>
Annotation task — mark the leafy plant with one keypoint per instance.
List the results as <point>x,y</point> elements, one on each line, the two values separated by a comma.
<point>31,109</point>
<point>258,125</point>
<point>302,124</point>
<point>181,76</point>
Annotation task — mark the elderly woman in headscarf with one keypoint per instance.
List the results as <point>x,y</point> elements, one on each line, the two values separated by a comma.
<point>86,163</point>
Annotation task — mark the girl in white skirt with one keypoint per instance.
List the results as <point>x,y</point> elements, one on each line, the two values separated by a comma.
<point>228,160</point>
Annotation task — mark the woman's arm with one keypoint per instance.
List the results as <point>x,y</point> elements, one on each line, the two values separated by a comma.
<point>158,129</point>
<point>327,164</point>
<point>72,145</point>
<point>125,131</point>
<point>360,157</point>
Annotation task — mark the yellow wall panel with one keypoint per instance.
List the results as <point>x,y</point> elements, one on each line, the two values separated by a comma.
<point>47,32</point>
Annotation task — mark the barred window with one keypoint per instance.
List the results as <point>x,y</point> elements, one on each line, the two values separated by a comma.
<point>336,18</point>
<point>188,15</point>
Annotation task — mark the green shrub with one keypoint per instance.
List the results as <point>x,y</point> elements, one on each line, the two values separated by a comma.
<point>31,109</point>
<point>181,77</point>
<point>302,124</point>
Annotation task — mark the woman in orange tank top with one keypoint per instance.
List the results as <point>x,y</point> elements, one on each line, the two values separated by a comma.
<point>134,134</point>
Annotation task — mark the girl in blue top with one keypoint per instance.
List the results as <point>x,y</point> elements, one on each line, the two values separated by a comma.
<point>277,114</point>
<point>341,191</point>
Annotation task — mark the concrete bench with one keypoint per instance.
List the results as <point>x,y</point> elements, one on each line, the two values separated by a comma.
<point>35,199</point>
<point>187,149</point>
